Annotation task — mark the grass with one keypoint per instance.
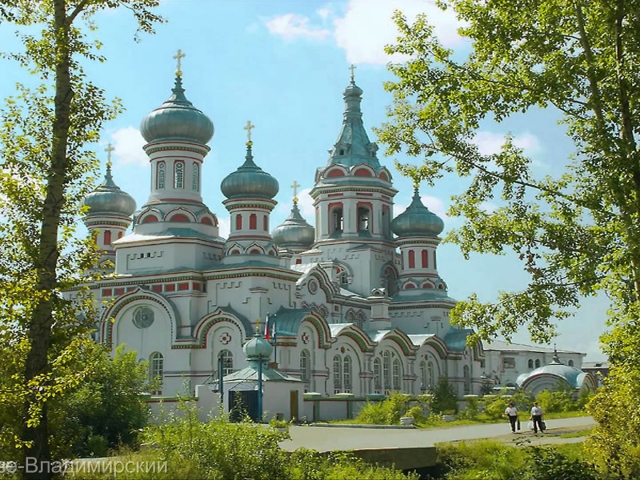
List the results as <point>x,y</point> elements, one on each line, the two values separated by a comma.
<point>578,434</point>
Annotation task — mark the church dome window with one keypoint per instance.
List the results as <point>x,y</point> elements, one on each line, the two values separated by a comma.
<point>336,172</point>
<point>425,259</point>
<point>238,222</point>
<point>195,184</point>
<point>178,174</point>
<point>255,251</point>
<point>253,222</point>
<point>235,252</point>
<point>143,317</point>
<point>160,175</point>
<point>206,221</point>
<point>149,219</point>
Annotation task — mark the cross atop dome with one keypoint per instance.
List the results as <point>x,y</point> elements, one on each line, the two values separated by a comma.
<point>178,57</point>
<point>295,187</point>
<point>352,68</point>
<point>248,127</point>
<point>109,149</point>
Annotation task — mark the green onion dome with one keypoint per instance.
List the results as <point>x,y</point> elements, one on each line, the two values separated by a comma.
<point>257,348</point>
<point>177,119</point>
<point>249,180</point>
<point>294,231</point>
<point>109,199</point>
<point>417,220</point>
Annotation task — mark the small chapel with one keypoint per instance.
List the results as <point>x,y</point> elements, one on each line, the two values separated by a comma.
<point>351,304</point>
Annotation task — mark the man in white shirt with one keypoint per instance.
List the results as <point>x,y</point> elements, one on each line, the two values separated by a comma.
<point>536,418</point>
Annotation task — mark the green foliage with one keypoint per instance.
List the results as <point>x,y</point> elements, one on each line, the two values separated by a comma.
<point>107,410</point>
<point>471,410</point>
<point>491,460</point>
<point>495,407</point>
<point>550,464</point>
<point>444,397</point>
<point>46,170</point>
<point>576,229</point>
<point>386,412</point>
<point>220,450</point>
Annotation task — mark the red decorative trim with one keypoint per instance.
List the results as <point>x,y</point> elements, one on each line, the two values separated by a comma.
<point>183,286</point>
<point>170,287</point>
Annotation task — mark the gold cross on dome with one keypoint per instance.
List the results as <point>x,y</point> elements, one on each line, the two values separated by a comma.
<point>352,68</point>
<point>179,56</point>
<point>295,187</point>
<point>258,325</point>
<point>248,127</point>
<point>109,149</point>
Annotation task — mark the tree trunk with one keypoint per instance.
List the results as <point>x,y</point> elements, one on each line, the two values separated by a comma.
<point>37,454</point>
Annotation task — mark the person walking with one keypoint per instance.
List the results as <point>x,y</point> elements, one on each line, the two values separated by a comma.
<point>512,414</point>
<point>536,418</point>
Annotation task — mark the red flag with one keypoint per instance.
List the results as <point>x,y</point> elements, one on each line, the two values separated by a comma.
<point>267,334</point>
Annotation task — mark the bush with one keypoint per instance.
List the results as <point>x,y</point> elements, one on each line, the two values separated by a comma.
<point>386,412</point>
<point>444,397</point>
<point>550,464</point>
<point>562,399</point>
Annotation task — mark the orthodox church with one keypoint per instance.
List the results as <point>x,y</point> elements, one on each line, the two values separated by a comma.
<point>354,305</point>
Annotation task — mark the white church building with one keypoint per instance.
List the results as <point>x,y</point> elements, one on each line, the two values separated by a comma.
<point>357,302</point>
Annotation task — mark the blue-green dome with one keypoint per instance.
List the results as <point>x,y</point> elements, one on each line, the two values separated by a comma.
<point>417,220</point>
<point>109,199</point>
<point>294,231</point>
<point>249,180</point>
<point>177,119</point>
<point>257,348</point>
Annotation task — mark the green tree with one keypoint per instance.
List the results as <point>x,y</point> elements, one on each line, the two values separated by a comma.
<point>576,234</point>
<point>106,410</point>
<point>444,397</point>
<point>44,168</point>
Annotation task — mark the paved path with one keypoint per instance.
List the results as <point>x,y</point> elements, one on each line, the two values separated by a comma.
<point>328,438</point>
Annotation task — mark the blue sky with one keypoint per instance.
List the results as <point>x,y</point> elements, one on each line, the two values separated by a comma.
<point>283,65</point>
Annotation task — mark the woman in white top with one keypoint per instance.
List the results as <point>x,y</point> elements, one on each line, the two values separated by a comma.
<point>512,413</point>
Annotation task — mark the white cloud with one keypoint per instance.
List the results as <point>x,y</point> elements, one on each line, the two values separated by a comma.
<point>432,203</point>
<point>128,143</point>
<point>305,204</point>
<point>490,142</point>
<point>291,25</point>
<point>224,226</point>
<point>367,27</point>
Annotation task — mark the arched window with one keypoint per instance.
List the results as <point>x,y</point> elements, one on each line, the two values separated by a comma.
<point>386,370</point>
<point>161,173</point>
<point>305,366</point>
<point>425,258</point>
<point>195,183</point>
<point>423,376</point>
<point>238,222</point>
<point>530,364</point>
<point>227,362</point>
<point>253,221</point>
<point>467,379</point>
<point>346,372</point>
<point>412,259</point>
<point>377,378</point>
<point>363,218</point>
<point>336,220</point>
<point>107,237</point>
<point>178,175</point>
<point>431,379</point>
<point>156,368</point>
<point>538,363</point>
<point>570,363</point>
<point>397,375</point>
<point>337,374</point>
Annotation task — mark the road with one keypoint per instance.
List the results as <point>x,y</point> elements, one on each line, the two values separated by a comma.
<point>340,437</point>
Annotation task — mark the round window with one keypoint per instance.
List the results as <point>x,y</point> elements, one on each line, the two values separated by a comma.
<point>143,317</point>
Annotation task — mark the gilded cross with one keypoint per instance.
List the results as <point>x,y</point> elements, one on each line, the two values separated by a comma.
<point>109,149</point>
<point>248,127</point>
<point>258,325</point>
<point>352,68</point>
<point>295,187</point>
<point>179,56</point>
